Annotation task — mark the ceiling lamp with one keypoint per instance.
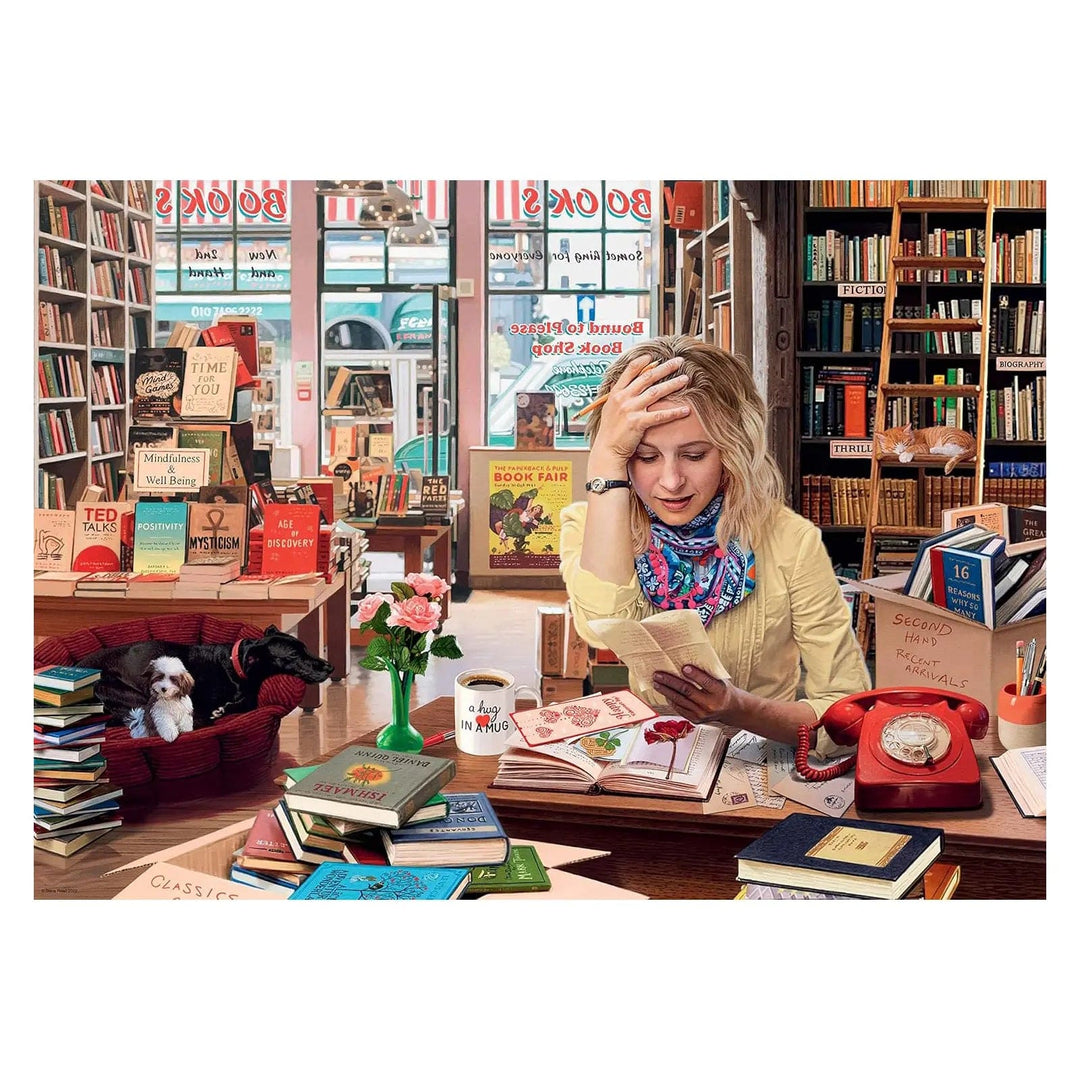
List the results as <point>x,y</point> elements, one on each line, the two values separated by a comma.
<point>421,231</point>
<point>350,187</point>
<point>384,211</point>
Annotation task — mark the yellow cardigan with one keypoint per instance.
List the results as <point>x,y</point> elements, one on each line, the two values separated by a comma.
<point>796,611</point>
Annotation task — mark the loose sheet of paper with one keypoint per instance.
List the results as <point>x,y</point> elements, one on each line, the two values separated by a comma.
<point>750,751</point>
<point>831,797</point>
<point>663,642</point>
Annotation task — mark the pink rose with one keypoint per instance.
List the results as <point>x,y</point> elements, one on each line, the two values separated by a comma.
<point>371,603</point>
<point>416,613</point>
<point>427,585</point>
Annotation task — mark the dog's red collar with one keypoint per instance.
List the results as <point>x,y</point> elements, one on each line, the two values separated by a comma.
<point>234,656</point>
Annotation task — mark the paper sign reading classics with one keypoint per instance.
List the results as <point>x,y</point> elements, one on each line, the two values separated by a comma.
<point>164,881</point>
<point>169,471</point>
<point>54,535</point>
<point>209,380</point>
<point>160,537</point>
<point>290,539</point>
<point>98,535</point>
<point>569,719</point>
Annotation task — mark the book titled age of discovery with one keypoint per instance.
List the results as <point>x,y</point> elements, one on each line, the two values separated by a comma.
<point>855,858</point>
<point>371,786</point>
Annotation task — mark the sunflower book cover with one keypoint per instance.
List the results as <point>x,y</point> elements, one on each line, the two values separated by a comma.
<point>371,786</point>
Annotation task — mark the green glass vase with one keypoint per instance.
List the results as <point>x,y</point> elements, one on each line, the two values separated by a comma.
<point>399,734</point>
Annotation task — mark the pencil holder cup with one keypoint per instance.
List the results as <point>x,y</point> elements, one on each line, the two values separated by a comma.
<point>1021,718</point>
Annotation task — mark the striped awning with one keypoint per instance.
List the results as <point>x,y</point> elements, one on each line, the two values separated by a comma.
<point>506,200</point>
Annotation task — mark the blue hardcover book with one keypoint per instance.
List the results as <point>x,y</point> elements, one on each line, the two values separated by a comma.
<point>160,545</point>
<point>66,677</point>
<point>336,881</point>
<point>852,858</point>
<point>836,325</point>
<point>966,585</point>
<point>470,835</point>
<point>918,583</point>
<point>62,738</point>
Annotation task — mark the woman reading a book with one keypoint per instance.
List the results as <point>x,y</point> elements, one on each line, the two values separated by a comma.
<point>701,524</point>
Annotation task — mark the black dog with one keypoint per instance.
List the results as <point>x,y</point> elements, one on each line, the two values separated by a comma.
<point>227,679</point>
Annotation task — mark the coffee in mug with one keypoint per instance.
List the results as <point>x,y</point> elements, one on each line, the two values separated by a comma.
<point>483,701</point>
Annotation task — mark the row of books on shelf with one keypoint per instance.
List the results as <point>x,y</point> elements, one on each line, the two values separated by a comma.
<point>56,269</point>
<point>60,376</point>
<point>54,323</point>
<point>988,565</point>
<point>57,219</point>
<point>74,802</point>
<point>1019,259</point>
<point>56,433</point>
<point>837,256</point>
<point>106,434</point>
<point>1002,193</point>
<point>1018,412</point>
<point>1017,329</point>
<point>138,287</point>
<point>140,238</point>
<point>106,385</point>
<point>368,393</point>
<point>106,281</point>
<point>106,230</point>
<point>836,326</point>
<point>101,331</point>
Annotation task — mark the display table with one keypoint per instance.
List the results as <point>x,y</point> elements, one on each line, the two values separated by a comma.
<point>321,621</point>
<point>664,848</point>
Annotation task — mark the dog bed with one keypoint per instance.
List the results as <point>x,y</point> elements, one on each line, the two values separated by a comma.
<point>234,737</point>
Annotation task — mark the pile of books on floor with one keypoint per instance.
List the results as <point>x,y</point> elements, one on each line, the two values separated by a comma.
<point>809,857</point>
<point>989,565</point>
<point>371,824</point>
<point>74,803</point>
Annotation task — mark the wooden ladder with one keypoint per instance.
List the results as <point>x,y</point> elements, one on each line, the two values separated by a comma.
<point>888,391</point>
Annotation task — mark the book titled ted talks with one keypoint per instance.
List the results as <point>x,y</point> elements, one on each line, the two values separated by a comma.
<point>99,535</point>
<point>371,786</point>
<point>160,537</point>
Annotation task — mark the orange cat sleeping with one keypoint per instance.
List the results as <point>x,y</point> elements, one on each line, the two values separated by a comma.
<point>907,442</point>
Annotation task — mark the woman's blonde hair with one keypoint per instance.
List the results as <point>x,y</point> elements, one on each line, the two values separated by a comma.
<point>722,393</point>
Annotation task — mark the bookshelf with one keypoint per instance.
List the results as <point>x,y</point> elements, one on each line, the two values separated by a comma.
<point>705,285</point>
<point>841,264</point>
<point>93,305</point>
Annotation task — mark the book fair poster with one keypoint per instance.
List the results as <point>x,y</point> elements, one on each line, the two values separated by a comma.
<point>525,498</point>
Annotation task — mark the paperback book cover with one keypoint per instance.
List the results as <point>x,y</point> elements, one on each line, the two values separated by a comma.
<point>209,383</point>
<point>205,438</point>
<point>535,421</point>
<point>371,786</point>
<point>522,872</point>
<point>160,537</point>
<point>290,538</point>
<point>157,381</point>
<point>54,534</point>
<point>334,881</point>
<point>855,858</point>
<point>963,582</point>
<point>216,529</point>
<point>99,535</point>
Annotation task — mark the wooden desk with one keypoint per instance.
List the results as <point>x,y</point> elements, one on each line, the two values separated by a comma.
<point>665,848</point>
<point>54,615</point>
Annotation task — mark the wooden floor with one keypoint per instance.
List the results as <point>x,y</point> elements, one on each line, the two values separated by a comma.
<point>491,627</point>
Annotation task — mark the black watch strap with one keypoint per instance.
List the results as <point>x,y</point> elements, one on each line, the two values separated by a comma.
<point>599,485</point>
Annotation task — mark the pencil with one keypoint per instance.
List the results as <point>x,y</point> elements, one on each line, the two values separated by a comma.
<point>603,397</point>
<point>1019,665</point>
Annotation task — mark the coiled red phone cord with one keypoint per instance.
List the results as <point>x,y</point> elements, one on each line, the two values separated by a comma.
<point>806,770</point>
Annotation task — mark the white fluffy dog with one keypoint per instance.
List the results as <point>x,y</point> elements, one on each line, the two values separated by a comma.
<point>168,712</point>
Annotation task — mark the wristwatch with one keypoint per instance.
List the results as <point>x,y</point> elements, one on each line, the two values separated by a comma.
<point>600,486</point>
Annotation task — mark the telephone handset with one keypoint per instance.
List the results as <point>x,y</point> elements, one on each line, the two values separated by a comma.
<point>914,748</point>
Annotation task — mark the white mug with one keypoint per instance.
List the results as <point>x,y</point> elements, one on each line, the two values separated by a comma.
<point>483,700</point>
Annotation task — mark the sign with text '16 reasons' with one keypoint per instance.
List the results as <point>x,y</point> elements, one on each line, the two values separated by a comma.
<point>171,471</point>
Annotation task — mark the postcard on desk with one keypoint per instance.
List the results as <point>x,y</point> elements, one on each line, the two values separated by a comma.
<point>569,719</point>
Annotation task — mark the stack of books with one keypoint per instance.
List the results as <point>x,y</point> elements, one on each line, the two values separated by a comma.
<point>203,579</point>
<point>74,803</point>
<point>334,813</point>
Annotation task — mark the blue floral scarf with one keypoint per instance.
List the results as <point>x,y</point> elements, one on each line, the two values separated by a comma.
<point>683,568</point>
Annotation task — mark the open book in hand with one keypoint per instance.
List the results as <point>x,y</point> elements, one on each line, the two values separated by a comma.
<point>663,642</point>
<point>666,756</point>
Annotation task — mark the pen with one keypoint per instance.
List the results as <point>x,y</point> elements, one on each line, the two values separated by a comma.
<point>1019,664</point>
<point>435,740</point>
<point>1040,675</point>
<point>603,397</point>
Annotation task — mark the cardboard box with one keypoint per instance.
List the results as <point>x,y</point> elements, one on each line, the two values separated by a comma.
<point>575,651</point>
<point>549,640</point>
<point>554,689</point>
<point>199,869</point>
<point>921,644</point>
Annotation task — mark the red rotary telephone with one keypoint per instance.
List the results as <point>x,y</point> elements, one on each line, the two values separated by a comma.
<point>914,749</point>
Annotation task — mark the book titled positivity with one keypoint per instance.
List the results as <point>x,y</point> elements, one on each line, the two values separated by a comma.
<point>335,881</point>
<point>160,537</point>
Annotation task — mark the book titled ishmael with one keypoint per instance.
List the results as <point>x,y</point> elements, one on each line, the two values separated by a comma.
<point>334,881</point>
<point>469,835</point>
<point>371,786</point>
<point>857,858</point>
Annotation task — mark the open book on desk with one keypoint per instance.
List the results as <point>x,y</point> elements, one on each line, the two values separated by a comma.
<point>662,642</point>
<point>665,756</point>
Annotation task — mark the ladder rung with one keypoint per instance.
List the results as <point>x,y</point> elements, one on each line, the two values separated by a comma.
<point>923,460</point>
<point>918,325</point>
<point>915,205</point>
<point>939,262</point>
<point>929,390</point>
<point>904,530</point>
